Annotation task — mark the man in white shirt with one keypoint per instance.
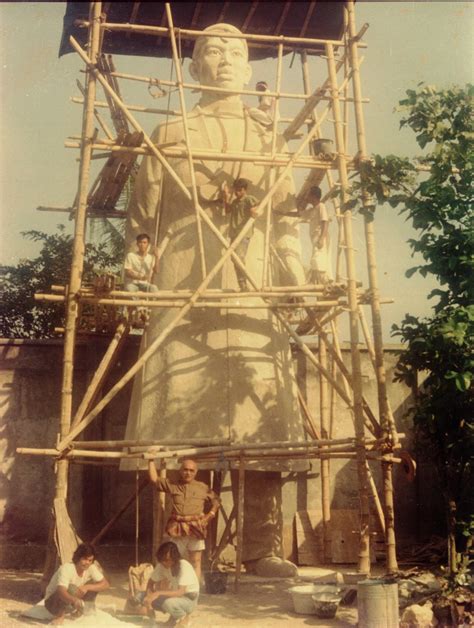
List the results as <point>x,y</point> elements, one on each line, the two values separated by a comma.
<point>140,267</point>
<point>317,217</point>
<point>74,583</point>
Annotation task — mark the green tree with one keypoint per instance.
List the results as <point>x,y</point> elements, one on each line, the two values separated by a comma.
<point>440,208</point>
<point>435,193</point>
<point>23,317</point>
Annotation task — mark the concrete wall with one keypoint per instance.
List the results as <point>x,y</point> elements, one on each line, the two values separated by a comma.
<point>30,384</point>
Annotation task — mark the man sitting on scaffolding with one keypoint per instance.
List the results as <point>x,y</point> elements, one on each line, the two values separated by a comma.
<point>140,266</point>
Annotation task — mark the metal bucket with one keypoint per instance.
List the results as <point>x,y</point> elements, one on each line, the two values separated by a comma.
<point>377,602</point>
<point>323,146</point>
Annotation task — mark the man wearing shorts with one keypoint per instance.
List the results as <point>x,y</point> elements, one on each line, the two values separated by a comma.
<point>187,525</point>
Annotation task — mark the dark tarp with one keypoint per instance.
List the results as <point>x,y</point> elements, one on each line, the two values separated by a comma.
<point>318,20</point>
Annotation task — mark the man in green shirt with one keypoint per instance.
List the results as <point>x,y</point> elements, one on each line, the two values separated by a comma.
<point>241,209</point>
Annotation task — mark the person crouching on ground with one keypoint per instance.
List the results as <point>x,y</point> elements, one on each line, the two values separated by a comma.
<point>173,586</point>
<point>74,583</point>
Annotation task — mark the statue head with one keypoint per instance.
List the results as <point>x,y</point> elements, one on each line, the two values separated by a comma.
<point>220,61</point>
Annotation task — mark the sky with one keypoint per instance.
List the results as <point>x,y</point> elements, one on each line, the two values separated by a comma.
<point>408,42</point>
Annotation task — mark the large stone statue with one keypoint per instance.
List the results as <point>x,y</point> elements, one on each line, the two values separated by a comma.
<point>219,373</point>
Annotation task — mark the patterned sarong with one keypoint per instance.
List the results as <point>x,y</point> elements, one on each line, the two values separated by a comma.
<point>187,525</point>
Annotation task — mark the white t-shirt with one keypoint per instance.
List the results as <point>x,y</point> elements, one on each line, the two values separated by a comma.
<point>139,264</point>
<point>67,574</point>
<point>315,215</point>
<point>186,578</point>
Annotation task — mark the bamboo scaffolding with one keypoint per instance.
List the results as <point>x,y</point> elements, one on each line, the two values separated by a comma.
<point>120,512</point>
<point>186,33</point>
<point>385,415</point>
<point>325,479</point>
<point>215,457</point>
<point>226,255</point>
<point>78,251</point>
<point>281,159</point>
<point>101,373</point>
<point>364,557</point>
<point>100,104</point>
<point>266,274</point>
<point>240,522</point>
<point>159,504</point>
<point>361,448</point>
<point>221,90</point>
<point>91,444</point>
<point>194,192</point>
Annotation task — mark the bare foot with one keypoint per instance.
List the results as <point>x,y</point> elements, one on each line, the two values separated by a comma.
<point>57,621</point>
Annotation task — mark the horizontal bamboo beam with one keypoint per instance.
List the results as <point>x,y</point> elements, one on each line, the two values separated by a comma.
<point>99,444</point>
<point>196,87</point>
<point>256,456</point>
<point>91,212</point>
<point>219,293</point>
<point>156,111</point>
<point>59,298</point>
<point>187,33</point>
<point>307,162</point>
<point>286,447</point>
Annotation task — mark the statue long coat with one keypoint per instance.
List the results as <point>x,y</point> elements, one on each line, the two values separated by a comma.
<point>219,373</point>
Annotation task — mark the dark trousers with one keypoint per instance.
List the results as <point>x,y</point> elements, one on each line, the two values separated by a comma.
<point>241,251</point>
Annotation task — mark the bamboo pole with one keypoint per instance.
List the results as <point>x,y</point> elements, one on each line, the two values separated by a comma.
<point>335,352</point>
<point>187,33</point>
<point>195,87</point>
<point>311,103</point>
<point>179,75</point>
<point>99,444</point>
<point>240,523</point>
<point>101,373</point>
<point>225,536</point>
<point>153,110</point>
<point>368,341</point>
<point>77,252</point>
<point>159,503</point>
<point>97,115</point>
<point>120,512</point>
<point>385,418</point>
<point>260,159</point>
<point>264,455</point>
<point>308,415</point>
<point>364,556</point>
<point>317,305</point>
<point>218,293</point>
<point>266,275</point>
<point>325,477</point>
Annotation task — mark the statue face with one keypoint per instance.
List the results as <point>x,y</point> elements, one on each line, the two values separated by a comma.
<point>222,63</point>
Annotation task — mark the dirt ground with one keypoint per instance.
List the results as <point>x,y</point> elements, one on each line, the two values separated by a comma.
<point>258,603</point>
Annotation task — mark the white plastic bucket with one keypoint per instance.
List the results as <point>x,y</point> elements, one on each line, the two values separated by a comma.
<point>377,602</point>
<point>302,600</point>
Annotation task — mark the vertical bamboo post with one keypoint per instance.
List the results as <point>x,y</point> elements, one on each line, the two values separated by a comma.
<point>266,275</point>
<point>77,261</point>
<point>159,502</point>
<point>307,89</point>
<point>385,417</point>
<point>325,477</point>
<point>364,550</point>
<point>179,76</point>
<point>240,522</point>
